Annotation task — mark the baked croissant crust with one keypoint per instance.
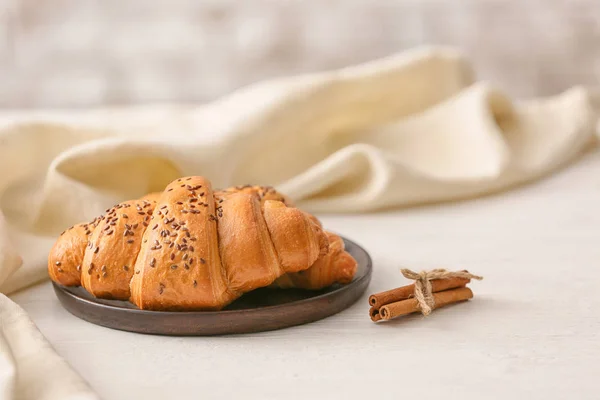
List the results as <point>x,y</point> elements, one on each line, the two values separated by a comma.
<point>189,248</point>
<point>337,266</point>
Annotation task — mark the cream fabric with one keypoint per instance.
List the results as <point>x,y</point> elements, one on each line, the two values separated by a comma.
<point>410,129</point>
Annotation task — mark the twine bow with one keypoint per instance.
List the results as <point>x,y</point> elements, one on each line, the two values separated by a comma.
<point>423,293</point>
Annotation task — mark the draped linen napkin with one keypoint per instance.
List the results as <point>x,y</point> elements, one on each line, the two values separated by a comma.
<point>409,129</point>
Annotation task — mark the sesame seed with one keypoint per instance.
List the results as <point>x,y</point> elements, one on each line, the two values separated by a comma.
<point>79,268</point>
<point>202,260</point>
<point>141,213</point>
<point>172,256</point>
<point>195,283</point>
<point>59,269</point>
<point>173,266</point>
<point>104,274</point>
<point>57,263</point>
<point>152,262</point>
<point>192,248</point>
<point>137,272</point>
<point>125,268</point>
<point>154,227</point>
<point>171,245</point>
<point>110,232</point>
<point>130,241</point>
<point>124,216</point>
<point>97,249</point>
<point>103,268</point>
<point>186,266</point>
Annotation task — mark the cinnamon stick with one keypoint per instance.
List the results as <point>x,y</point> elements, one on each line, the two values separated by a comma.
<point>409,306</point>
<point>374,314</point>
<point>378,300</point>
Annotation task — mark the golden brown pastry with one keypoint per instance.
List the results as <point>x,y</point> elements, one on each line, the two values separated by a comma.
<point>264,193</point>
<point>337,266</point>
<point>188,248</point>
<point>66,256</point>
<point>113,247</point>
<point>183,266</point>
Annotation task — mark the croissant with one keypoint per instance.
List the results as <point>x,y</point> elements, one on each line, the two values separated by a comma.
<point>189,248</point>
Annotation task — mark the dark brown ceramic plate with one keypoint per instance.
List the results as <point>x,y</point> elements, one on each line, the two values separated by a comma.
<point>260,310</point>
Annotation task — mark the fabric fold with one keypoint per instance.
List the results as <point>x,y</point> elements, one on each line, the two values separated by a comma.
<point>409,129</point>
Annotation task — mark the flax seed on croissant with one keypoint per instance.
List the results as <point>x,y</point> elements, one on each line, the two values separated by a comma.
<point>107,265</point>
<point>190,250</point>
<point>66,256</point>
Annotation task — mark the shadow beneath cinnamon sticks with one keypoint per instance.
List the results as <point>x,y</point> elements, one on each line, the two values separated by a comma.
<point>410,318</point>
<point>500,307</point>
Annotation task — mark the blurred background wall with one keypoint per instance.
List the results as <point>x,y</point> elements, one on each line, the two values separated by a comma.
<point>72,53</point>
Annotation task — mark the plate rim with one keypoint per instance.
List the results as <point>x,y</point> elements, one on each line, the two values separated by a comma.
<point>361,283</point>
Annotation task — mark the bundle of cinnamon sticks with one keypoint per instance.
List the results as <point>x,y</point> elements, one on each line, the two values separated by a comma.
<point>432,290</point>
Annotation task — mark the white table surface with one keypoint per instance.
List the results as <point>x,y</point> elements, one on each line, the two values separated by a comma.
<point>532,330</point>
